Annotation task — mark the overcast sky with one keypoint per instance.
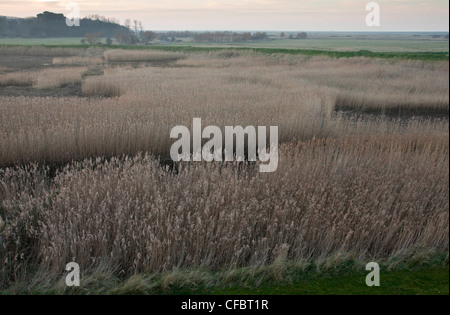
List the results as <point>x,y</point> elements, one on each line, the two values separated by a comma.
<point>288,15</point>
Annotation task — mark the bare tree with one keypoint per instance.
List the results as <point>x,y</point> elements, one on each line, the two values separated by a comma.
<point>136,31</point>
<point>92,38</point>
<point>148,36</point>
<point>302,35</point>
<point>126,38</point>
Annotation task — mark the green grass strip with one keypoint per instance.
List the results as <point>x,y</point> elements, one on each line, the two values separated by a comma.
<point>432,56</point>
<point>433,281</point>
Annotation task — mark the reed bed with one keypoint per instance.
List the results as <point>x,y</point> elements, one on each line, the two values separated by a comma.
<point>43,79</point>
<point>118,55</point>
<point>58,77</point>
<point>143,104</point>
<point>22,78</point>
<point>77,61</point>
<point>109,87</point>
<point>80,178</point>
<point>39,51</point>
<point>373,197</point>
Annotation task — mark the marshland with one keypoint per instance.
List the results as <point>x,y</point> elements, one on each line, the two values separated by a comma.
<point>363,170</point>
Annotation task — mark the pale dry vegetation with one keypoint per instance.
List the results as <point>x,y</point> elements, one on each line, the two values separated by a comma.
<point>118,55</point>
<point>77,61</point>
<point>57,77</point>
<point>22,78</point>
<point>386,87</point>
<point>374,197</point>
<point>42,79</point>
<point>148,102</point>
<point>372,188</point>
<point>110,87</point>
<point>39,51</point>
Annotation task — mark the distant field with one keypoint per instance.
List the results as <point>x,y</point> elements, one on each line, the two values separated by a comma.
<point>425,55</point>
<point>406,45</point>
<point>40,41</point>
<point>336,44</point>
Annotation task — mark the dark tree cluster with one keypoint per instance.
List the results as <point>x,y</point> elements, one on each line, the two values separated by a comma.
<point>125,37</point>
<point>224,37</point>
<point>50,24</point>
<point>301,35</point>
<point>180,34</point>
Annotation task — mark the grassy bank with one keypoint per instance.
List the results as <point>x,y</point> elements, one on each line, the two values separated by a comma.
<point>426,281</point>
<point>419,273</point>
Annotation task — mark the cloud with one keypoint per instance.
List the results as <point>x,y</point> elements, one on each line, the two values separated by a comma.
<point>252,14</point>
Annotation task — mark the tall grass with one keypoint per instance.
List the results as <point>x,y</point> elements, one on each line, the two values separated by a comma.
<point>299,95</point>
<point>374,197</point>
<point>152,102</point>
<point>105,87</point>
<point>370,187</point>
<point>42,79</point>
<point>17,79</point>
<point>39,51</point>
<point>140,55</point>
<point>77,61</point>
<point>58,77</point>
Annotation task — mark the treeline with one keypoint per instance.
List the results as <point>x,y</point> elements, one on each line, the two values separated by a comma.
<point>146,37</point>
<point>50,24</point>
<point>301,35</point>
<point>94,27</point>
<point>223,37</point>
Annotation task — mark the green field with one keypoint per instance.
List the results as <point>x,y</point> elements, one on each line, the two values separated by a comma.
<point>432,280</point>
<point>40,41</point>
<point>335,44</point>
<point>381,45</point>
<point>427,55</point>
<point>421,48</point>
